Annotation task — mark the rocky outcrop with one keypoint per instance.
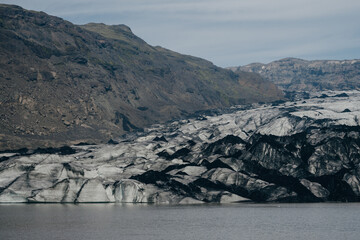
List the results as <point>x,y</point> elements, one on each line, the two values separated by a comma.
<point>62,84</point>
<point>294,74</point>
<point>304,151</point>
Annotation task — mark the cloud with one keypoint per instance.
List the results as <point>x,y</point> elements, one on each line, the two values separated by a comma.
<point>228,32</point>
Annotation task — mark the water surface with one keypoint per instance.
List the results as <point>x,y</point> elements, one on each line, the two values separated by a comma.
<point>233,221</point>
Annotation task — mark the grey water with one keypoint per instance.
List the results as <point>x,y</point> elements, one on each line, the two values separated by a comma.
<point>134,221</point>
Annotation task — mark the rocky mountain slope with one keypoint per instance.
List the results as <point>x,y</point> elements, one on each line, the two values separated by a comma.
<point>300,75</point>
<point>304,151</point>
<point>63,84</point>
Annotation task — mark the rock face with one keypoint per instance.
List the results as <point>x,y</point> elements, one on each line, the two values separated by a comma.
<point>304,151</point>
<point>64,84</point>
<point>293,74</point>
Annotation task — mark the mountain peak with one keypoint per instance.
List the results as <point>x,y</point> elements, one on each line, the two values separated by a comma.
<point>115,28</point>
<point>291,59</point>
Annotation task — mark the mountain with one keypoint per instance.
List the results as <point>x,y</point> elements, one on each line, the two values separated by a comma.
<point>302,151</point>
<point>294,74</point>
<point>64,84</point>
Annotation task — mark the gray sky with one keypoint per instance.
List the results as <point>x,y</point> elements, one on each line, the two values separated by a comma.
<point>227,32</point>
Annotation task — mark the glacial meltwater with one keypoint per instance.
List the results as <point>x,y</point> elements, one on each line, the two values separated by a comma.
<point>135,221</point>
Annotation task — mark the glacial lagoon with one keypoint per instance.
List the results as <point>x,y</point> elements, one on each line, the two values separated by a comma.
<point>330,221</point>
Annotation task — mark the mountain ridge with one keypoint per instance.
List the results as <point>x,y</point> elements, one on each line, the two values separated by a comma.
<point>295,74</point>
<point>64,84</point>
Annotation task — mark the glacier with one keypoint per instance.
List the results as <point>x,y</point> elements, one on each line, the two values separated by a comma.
<point>306,150</point>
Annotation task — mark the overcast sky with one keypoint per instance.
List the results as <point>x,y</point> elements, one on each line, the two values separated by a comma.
<point>227,32</point>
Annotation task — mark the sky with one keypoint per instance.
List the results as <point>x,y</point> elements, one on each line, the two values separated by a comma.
<point>227,32</point>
